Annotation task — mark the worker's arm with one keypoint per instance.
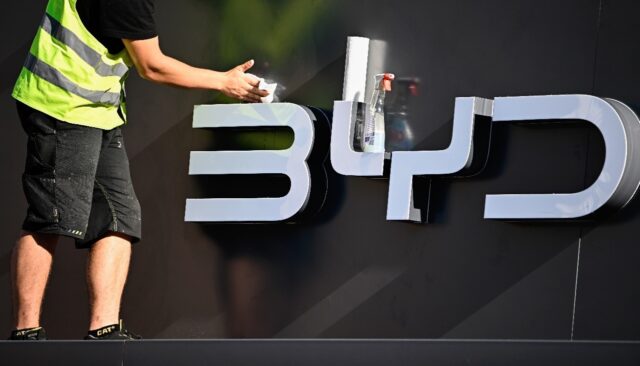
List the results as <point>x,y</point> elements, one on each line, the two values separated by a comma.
<point>155,66</point>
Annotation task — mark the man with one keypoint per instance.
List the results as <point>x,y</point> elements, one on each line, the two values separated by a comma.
<point>71,103</point>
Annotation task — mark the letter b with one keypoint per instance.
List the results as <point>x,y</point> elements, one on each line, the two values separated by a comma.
<point>291,162</point>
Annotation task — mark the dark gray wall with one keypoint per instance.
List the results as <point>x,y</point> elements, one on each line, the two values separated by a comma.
<point>348,272</point>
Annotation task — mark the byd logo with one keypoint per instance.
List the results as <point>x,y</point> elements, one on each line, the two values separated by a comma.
<point>613,189</point>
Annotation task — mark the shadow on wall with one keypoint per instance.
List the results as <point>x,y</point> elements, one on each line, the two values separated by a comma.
<point>263,265</point>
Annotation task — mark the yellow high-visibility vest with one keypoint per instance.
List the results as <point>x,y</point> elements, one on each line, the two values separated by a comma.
<point>70,75</point>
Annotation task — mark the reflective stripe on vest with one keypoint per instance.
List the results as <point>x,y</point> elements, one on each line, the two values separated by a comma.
<point>93,58</point>
<point>56,78</point>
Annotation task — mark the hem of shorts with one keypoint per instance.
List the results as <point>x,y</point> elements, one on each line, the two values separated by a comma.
<point>81,244</point>
<point>50,229</point>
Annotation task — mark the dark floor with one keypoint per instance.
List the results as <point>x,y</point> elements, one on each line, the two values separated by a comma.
<point>319,352</point>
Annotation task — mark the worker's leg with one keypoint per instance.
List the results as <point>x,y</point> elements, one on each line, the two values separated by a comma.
<point>30,267</point>
<point>107,268</point>
<point>114,224</point>
<point>58,183</point>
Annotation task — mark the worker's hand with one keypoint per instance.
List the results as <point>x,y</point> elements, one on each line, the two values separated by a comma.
<point>241,86</point>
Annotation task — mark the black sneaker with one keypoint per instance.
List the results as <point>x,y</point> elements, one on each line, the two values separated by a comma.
<point>112,332</point>
<point>28,334</point>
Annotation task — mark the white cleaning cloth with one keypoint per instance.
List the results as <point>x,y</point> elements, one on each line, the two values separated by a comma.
<point>269,87</point>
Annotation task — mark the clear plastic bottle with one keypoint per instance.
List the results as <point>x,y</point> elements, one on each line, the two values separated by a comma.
<point>373,137</point>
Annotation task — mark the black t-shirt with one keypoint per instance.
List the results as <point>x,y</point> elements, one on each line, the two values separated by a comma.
<point>111,21</point>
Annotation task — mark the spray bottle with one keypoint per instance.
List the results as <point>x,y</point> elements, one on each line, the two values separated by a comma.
<point>399,136</point>
<point>373,137</point>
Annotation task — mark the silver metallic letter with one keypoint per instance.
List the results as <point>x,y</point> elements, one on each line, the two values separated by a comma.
<point>291,162</point>
<point>364,59</point>
<point>620,175</point>
<point>458,156</point>
<point>344,159</point>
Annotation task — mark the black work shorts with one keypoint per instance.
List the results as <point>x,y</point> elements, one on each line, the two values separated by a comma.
<point>77,181</point>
